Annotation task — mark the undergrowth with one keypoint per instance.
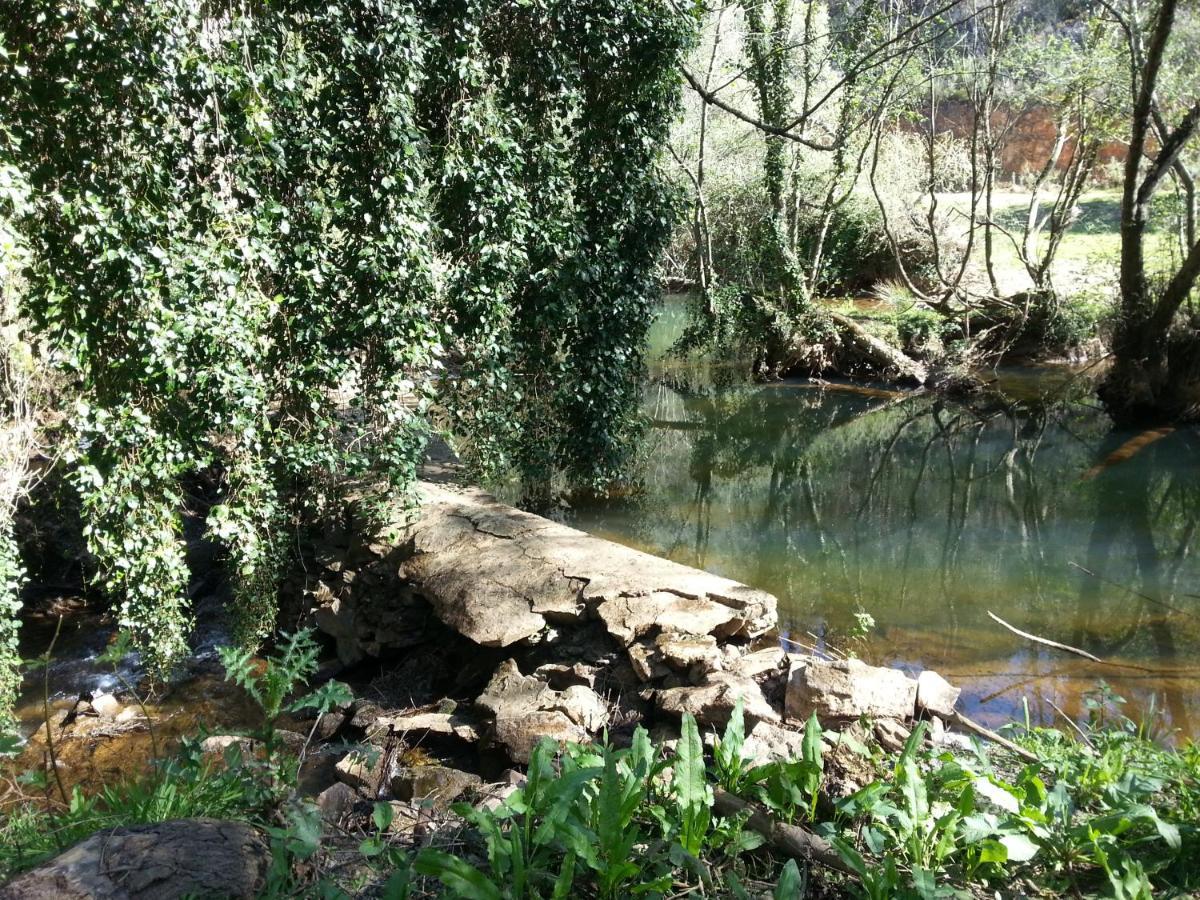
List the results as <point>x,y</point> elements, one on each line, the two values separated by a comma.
<point>1107,811</point>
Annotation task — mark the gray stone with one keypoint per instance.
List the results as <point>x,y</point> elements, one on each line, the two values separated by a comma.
<point>847,689</point>
<point>329,723</point>
<point>767,742</point>
<point>216,746</point>
<point>336,801</point>
<point>166,861</point>
<point>647,661</point>
<point>512,697</point>
<point>683,651</point>
<point>629,618</point>
<point>891,734</point>
<point>935,695</point>
<point>583,706</point>
<point>106,706</point>
<point>432,787</point>
<point>363,772</point>
<point>758,662</point>
<point>520,734</point>
<point>453,724</point>
<point>510,693</point>
<point>560,676</point>
<point>407,819</point>
<point>712,702</point>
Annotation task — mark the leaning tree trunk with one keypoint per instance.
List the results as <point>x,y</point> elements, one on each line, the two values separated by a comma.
<point>1156,374</point>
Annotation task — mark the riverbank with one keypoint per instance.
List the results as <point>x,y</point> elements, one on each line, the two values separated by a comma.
<point>652,682</point>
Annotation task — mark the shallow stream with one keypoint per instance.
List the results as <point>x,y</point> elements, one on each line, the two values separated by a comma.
<point>928,515</point>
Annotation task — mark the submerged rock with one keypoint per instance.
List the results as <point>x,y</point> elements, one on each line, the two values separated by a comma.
<point>182,858</point>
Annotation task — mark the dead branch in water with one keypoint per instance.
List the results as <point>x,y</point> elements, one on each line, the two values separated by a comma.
<point>1135,591</point>
<point>1041,640</point>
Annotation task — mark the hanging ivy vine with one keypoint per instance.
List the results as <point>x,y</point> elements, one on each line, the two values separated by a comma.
<point>265,237</point>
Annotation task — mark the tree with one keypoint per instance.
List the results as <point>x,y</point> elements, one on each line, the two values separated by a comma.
<point>265,241</point>
<point>1156,375</point>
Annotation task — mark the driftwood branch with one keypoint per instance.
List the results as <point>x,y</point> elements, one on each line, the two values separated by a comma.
<point>971,725</point>
<point>792,840</point>
<point>1041,640</point>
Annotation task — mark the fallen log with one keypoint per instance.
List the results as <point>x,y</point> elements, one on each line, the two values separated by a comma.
<point>879,352</point>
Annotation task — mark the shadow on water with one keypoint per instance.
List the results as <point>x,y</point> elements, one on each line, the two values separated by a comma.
<point>928,514</point>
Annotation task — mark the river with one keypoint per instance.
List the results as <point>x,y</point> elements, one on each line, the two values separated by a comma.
<point>927,515</point>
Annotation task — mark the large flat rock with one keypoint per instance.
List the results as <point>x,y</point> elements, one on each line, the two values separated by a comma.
<point>182,858</point>
<point>498,575</point>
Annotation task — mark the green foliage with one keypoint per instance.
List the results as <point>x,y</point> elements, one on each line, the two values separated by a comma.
<point>608,818</point>
<point>258,238</point>
<point>271,681</point>
<point>11,577</point>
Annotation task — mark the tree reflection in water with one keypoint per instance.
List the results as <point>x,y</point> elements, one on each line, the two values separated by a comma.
<point>927,514</point>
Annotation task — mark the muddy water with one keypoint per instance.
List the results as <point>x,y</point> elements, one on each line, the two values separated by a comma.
<point>928,515</point>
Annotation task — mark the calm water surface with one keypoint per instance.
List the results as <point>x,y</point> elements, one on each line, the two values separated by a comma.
<point>927,515</point>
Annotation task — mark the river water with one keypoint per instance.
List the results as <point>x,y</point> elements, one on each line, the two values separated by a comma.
<point>928,515</point>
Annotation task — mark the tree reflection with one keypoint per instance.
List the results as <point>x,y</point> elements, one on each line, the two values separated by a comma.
<point>928,513</point>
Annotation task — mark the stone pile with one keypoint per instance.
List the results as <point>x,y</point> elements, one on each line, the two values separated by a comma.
<point>590,636</point>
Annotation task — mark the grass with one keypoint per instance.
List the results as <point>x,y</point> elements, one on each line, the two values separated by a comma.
<point>1087,260</point>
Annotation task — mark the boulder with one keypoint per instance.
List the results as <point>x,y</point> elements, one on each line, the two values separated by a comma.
<point>712,702</point>
<point>520,734</point>
<point>181,858</point>
<point>847,689</point>
<point>450,724</point>
<point>935,695</point>
<point>499,576</point>
<point>432,787</point>
<point>629,618</point>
